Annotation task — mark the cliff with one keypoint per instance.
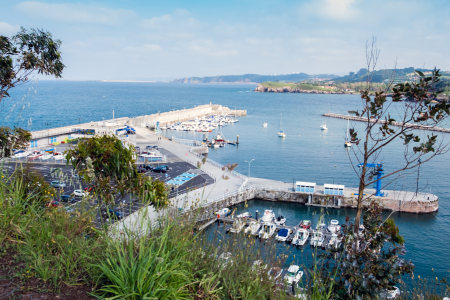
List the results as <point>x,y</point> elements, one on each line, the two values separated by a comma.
<point>292,89</point>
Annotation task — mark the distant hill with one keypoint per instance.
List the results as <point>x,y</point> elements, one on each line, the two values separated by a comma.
<point>249,78</point>
<point>380,75</point>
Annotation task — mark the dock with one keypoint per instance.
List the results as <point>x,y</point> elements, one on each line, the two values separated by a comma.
<point>398,124</point>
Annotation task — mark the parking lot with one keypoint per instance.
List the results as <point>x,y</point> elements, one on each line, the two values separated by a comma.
<point>127,206</point>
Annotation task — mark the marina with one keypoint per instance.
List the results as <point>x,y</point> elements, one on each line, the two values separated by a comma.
<point>306,154</point>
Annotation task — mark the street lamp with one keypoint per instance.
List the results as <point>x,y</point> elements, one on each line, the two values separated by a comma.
<point>48,132</point>
<point>249,162</point>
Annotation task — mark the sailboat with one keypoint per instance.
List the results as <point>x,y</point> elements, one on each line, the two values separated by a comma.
<point>280,132</point>
<point>324,126</point>
<point>347,142</point>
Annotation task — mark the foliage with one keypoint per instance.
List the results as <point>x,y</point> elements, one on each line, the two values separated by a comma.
<point>107,162</point>
<point>24,53</point>
<point>369,262</point>
<point>11,139</point>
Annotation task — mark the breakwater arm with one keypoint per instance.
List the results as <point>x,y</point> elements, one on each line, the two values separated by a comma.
<point>399,124</point>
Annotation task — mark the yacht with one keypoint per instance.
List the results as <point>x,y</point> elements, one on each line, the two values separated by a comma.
<point>223,212</point>
<point>334,226</point>
<point>280,132</point>
<point>324,126</point>
<point>265,124</point>
<point>300,237</point>
<point>268,216</point>
<point>347,142</point>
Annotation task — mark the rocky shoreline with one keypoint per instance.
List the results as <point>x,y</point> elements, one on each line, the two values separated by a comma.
<point>286,89</point>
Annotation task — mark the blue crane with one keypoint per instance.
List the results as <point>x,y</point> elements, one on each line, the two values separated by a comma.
<point>379,172</point>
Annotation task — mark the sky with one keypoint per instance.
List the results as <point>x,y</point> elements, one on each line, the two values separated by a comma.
<point>164,40</point>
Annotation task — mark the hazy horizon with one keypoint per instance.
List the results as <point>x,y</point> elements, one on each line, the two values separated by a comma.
<point>147,41</point>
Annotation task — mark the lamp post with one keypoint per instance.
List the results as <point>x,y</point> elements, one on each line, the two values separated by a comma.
<point>249,162</point>
<point>48,132</point>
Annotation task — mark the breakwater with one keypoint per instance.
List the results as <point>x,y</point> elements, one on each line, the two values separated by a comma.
<point>398,124</point>
<point>287,89</point>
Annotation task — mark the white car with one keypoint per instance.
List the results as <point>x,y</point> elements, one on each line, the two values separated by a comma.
<point>57,184</point>
<point>79,193</point>
<point>293,275</point>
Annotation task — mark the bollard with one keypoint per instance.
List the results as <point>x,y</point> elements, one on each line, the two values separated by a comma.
<point>237,140</point>
<point>256,215</point>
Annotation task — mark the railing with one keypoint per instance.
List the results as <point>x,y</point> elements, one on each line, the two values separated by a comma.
<point>186,142</point>
<point>273,188</point>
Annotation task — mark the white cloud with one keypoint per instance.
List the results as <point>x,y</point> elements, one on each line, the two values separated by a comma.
<point>75,13</point>
<point>208,47</point>
<point>7,29</point>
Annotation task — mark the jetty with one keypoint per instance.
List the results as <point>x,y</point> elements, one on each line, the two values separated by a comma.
<point>398,124</point>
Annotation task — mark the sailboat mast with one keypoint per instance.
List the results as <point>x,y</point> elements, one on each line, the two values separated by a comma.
<point>346,138</point>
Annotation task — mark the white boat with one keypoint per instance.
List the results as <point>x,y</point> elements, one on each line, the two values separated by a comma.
<point>253,228</point>
<point>334,241</point>
<point>163,127</point>
<point>321,227</point>
<point>280,132</point>
<point>268,216</point>
<point>46,156</point>
<point>275,272</point>
<point>293,275</point>
<point>265,124</point>
<point>20,153</point>
<point>334,226</point>
<point>151,156</point>
<point>324,127</point>
<point>283,234</point>
<point>237,226</point>
<point>280,219</point>
<point>317,239</point>
<point>300,237</point>
<point>267,230</point>
<point>223,212</point>
<point>35,154</point>
<point>58,156</point>
<point>347,141</point>
<point>245,215</point>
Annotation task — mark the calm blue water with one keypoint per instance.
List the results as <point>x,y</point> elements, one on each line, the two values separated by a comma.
<point>306,154</point>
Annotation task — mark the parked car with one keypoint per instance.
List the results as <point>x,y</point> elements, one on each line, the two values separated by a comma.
<point>141,170</point>
<point>66,198</point>
<point>79,193</point>
<point>155,147</point>
<point>57,184</point>
<point>147,167</point>
<point>160,169</point>
<point>113,213</point>
<point>55,203</point>
<point>148,147</point>
<point>89,188</point>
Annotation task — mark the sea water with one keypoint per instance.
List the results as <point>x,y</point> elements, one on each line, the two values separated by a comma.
<point>306,154</point>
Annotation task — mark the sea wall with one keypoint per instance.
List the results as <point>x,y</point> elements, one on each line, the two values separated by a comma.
<point>287,89</point>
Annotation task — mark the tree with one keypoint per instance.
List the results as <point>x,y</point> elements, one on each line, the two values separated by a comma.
<point>109,163</point>
<point>413,104</point>
<point>21,55</point>
<point>10,139</point>
<point>25,53</point>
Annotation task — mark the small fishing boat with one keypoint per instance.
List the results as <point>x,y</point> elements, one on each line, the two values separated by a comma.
<point>334,226</point>
<point>317,239</point>
<point>321,226</point>
<point>265,124</point>
<point>283,234</point>
<point>34,155</point>
<point>334,241</point>
<point>253,228</point>
<point>280,132</point>
<point>20,153</point>
<point>293,275</point>
<point>237,226</point>
<point>245,215</point>
<point>267,230</point>
<point>46,156</point>
<point>305,224</point>
<point>300,237</point>
<point>280,220</point>
<point>223,212</point>
<point>268,216</point>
